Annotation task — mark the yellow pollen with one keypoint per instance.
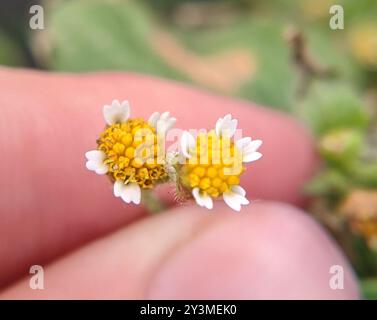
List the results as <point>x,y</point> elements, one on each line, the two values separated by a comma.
<point>119,148</point>
<point>215,165</point>
<point>127,139</point>
<point>205,183</point>
<point>199,171</point>
<point>211,172</point>
<point>130,153</point>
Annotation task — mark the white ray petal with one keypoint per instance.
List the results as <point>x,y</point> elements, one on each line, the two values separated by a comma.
<point>131,193</point>
<point>118,188</point>
<point>163,126</point>
<point>234,200</point>
<point>228,117</point>
<point>165,115</point>
<point>95,155</point>
<point>248,149</point>
<point>239,190</point>
<point>162,122</point>
<point>253,146</point>
<point>218,126</point>
<point>231,200</point>
<point>226,126</point>
<point>187,142</point>
<point>202,200</point>
<point>136,193</point>
<point>126,196</point>
<point>102,169</point>
<point>170,123</point>
<point>207,201</point>
<point>116,112</point>
<point>233,127</point>
<point>91,165</point>
<point>160,126</point>
<point>243,200</point>
<point>197,197</point>
<point>153,118</point>
<point>243,143</point>
<point>95,161</point>
<point>252,157</point>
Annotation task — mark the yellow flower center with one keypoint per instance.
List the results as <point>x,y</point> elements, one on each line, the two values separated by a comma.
<point>133,153</point>
<point>215,165</point>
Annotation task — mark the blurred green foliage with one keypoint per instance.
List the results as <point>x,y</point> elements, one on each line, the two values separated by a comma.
<point>88,35</point>
<point>333,105</point>
<point>264,40</point>
<point>97,35</point>
<point>369,288</point>
<point>10,52</point>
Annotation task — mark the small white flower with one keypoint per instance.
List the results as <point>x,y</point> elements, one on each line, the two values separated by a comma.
<point>213,179</point>
<point>162,122</point>
<point>128,192</point>
<point>95,161</point>
<point>226,126</point>
<point>116,112</point>
<point>235,198</point>
<point>117,157</point>
<point>248,148</point>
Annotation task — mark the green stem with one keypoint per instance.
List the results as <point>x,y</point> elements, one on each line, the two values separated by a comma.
<point>151,202</point>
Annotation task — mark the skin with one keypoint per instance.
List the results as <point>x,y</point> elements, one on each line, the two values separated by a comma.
<point>57,214</point>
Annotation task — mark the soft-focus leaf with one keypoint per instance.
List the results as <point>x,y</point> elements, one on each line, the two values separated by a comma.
<point>366,175</point>
<point>341,147</point>
<point>95,35</point>
<point>10,53</point>
<point>332,105</point>
<point>329,182</point>
<point>88,35</point>
<point>272,81</point>
<point>369,288</point>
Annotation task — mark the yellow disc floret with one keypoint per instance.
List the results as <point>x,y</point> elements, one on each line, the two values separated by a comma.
<point>214,167</point>
<point>132,153</point>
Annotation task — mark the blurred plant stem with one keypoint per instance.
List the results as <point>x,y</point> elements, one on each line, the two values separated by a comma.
<point>307,67</point>
<point>152,202</point>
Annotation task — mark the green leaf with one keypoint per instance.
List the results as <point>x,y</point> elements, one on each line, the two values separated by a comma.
<point>102,35</point>
<point>273,81</point>
<point>96,35</point>
<point>369,288</point>
<point>341,147</point>
<point>10,53</point>
<point>330,105</point>
<point>365,174</point>
<point>329,182</point>
<point>364,258</point>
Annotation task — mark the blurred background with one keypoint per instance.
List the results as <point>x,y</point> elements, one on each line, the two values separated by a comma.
<point>281,54</point>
